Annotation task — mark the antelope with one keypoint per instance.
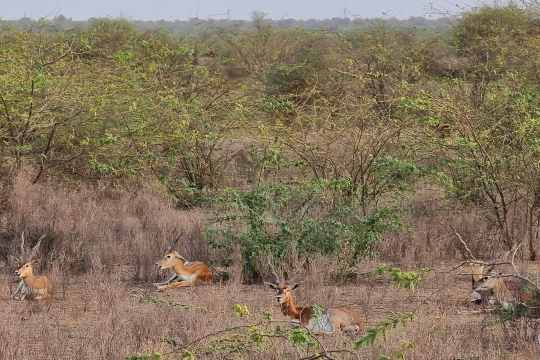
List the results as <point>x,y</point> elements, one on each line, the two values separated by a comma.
<point>185,273</point>
<point>38,287</point>
<point>517,295</point>
<point>31,287</point>
<point>513,289</point>
<point>329,321</point>
<point>479,273</point>
<point>479,270</point>
<point>509,290</point>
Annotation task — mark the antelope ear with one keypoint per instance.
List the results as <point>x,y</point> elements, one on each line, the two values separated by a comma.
<point>295,286</point>
<point>271,285</point>
<point>178,256</point>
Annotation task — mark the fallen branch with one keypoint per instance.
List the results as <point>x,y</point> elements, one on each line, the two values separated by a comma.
<point>506,276</point>
<point>477,262</point>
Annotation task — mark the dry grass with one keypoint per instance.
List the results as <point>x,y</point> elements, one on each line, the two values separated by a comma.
<point>99,229</point>
<point>429,237</point>
<point>103,318</point>
<point>101,240</point>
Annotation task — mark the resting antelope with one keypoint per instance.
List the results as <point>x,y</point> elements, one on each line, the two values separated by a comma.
<point>185,273</point>
<point>31,287</point>
<point>479,273</point>
<point>38,287</point>
<point>329,321</point>
<point>510,290</point>
<point>491,286</point>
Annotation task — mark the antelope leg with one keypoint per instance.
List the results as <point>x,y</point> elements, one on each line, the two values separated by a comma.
<point>176,285</point>
<point>172,279</point>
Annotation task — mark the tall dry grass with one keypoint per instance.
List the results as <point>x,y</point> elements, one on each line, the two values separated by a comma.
<point>97,228</point>
<point>431,222</point>
<point>100,239</point>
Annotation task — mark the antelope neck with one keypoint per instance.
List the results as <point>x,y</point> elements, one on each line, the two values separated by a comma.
<point>289,308</point>
<point>179,267</point>
<point>29,275</point>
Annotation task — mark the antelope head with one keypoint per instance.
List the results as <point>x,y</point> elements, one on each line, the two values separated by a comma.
<point>283,291</point>
<point>170,260</point>
<point>171,257</point>
<point>281,287</point>
<point>479,273</point>
<point>25,271</point>
<point>27,257</point>
<point>495,290</point>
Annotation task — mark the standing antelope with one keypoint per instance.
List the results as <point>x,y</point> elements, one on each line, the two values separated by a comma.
<point>329,321</point>
<point>185,273</point>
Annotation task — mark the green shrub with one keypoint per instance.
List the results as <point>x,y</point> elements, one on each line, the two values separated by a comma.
<point>282,219</point>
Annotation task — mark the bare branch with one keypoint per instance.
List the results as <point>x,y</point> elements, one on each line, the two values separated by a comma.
<point>514,257</point>
<point>460,238</point>
<point>6,109</point>
<point>31,107</point>
<point>8,115</point>
<point>45,152</point>
<point>57,59</point>
<point>478,262</point>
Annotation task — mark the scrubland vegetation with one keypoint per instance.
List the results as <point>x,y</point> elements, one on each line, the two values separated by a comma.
<point>327,154</point>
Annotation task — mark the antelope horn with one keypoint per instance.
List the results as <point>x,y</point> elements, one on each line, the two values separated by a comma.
<point>35,249</point>
<point>174,242</point>
<point>23,252</point>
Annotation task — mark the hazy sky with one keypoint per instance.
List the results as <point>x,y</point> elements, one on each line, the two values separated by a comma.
<point>239,9</point>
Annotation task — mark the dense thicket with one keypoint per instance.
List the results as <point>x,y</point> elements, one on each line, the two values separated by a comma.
<point>310,141</point>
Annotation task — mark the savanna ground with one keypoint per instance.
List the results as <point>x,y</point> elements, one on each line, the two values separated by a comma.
<point>106,314</point>
<point>323,152</point>
<point>102,317</point>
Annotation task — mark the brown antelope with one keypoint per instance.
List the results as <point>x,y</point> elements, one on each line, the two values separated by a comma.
<point>329,321</point>
<point>38,287</point>
<point>517,295</point>
<point>479,273</point>
<point>185,273</point>
<point>31,287</point>
<point>509,290</point>
<point>512,292</point>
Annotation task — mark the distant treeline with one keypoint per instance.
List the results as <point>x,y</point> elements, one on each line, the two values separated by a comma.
<point>62,23</point>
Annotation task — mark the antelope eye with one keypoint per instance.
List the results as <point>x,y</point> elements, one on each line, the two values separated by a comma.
<point>168,256</point>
